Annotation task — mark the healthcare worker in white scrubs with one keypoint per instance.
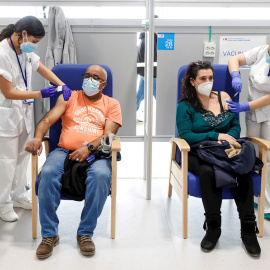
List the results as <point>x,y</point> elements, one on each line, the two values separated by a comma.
<point>17,63</point>
<point>258,108</point>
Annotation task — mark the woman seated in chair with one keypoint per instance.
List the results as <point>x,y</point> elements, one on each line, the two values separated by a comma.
<point>202,114</point>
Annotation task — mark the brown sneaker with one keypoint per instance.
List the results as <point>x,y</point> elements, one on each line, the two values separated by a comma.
<point>87,246</point>
<point>45,248</point>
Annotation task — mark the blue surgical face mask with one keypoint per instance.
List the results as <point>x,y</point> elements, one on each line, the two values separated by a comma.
<point>27,46</point>
<point>267,58</point>
<point>90,87</point>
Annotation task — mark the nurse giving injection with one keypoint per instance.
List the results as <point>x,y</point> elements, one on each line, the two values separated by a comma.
<point>17,63</point>
<point>258,108</point>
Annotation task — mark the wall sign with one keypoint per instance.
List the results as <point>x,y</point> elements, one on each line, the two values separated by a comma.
<point>166,41</point>
<point>233,45</point>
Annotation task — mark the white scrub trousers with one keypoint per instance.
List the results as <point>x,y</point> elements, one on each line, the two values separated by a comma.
<point>262,130</point>
<point>13,165</point>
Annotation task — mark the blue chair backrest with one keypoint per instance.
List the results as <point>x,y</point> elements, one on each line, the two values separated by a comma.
<point>71,75</point>
<point>222,82</point>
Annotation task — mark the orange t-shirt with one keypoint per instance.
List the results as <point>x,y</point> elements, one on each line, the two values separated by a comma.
<point>84,121</point>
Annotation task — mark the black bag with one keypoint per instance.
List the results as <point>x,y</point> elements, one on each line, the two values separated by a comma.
<point>226,169</point>
<point>242,163</point>
<point>73,178</point>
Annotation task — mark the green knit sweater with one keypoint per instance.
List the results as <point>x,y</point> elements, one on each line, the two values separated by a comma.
<point>192,126</point>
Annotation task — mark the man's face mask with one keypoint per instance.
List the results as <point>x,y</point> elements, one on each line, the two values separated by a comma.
<point>90,87</point>
<point>205,88</point>
<point>27,46</point>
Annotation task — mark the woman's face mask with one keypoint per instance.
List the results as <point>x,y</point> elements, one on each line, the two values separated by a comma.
<point>267,58</point>
<point>27,46</point>
<point>205,88</point>
<point>90,87</point>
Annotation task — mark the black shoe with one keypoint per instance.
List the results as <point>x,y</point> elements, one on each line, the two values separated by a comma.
<point>213,232</point>
<point>249,238</point>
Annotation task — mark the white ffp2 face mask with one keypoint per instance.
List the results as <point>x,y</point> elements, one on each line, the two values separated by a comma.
<point>205,88</point>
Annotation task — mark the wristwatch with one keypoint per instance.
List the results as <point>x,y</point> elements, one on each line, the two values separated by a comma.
<point>90,146</point>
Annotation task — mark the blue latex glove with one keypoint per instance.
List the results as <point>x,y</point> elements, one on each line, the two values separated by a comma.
<point>66,92</point>
<point>238,107</point>
<point>48,92</point>
<point>236,81</point>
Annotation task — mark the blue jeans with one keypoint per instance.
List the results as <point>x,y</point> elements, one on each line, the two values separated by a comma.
<point>140,92</point>
<point>98,183</point>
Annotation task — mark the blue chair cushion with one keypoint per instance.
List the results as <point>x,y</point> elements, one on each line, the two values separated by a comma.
<point>194,187</point>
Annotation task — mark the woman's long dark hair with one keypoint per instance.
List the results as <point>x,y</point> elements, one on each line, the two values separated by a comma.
<point>30,24</point>
<point>189,92</point>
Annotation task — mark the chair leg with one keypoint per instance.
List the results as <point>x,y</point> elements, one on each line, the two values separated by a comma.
<point>170,187</point>
<point>113,194</point>
<point>185,215</point>
<point>172,158</point>
<point>261,216</point>
<point>34,197</point>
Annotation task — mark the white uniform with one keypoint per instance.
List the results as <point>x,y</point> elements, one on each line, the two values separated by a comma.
<point>258,121</point>
<point>15,126</point>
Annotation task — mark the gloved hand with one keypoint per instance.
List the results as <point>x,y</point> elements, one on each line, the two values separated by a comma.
<point>238,107</point>
<point>48,92</point>
<point>236,81</point>
<point>66,92</point>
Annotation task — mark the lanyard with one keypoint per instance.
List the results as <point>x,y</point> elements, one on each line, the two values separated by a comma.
<point>24,77</point>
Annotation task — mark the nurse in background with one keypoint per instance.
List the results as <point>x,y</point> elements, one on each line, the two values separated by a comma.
<point>17,63</point>
<point>258,108</point>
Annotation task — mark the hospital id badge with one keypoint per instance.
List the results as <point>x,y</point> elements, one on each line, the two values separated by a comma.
<point>28,101</point>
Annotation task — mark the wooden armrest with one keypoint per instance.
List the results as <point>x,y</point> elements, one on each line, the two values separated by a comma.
<point>116,145</point>
<point>181,143</point>
<point>45,139</point>
<point>261,142</point>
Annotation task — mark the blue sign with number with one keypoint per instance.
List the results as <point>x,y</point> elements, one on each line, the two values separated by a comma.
<point>166,41</point>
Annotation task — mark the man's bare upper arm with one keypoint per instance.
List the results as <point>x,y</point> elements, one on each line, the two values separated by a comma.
<point>56,112</point>
<point>111,126</point>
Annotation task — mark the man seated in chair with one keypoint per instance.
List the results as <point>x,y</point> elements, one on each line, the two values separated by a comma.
<point>86,117</point>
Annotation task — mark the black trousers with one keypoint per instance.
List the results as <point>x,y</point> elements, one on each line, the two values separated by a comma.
<point>212,196</point>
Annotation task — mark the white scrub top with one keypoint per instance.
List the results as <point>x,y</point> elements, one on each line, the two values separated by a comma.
<point>259,82</point>
<point>14,112</point>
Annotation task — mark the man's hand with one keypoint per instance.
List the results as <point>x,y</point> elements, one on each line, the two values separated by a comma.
<point>80,154</point>
<point>34,147</point>
<point>226,137</point>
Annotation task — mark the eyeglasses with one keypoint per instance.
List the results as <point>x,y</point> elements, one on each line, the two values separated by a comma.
<point>92,77</point>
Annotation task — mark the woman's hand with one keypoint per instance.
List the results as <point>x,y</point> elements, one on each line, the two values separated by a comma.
<point>226,137</point>
<point>238,107</point>
<point>48,92</point>
<point>80,154</point>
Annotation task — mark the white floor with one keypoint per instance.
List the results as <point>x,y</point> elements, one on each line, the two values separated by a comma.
<point>148,232</point>
<point>148,236</point>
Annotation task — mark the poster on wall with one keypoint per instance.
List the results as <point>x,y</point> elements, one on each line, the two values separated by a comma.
<point>166,41</point>
<point>230,46</point>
